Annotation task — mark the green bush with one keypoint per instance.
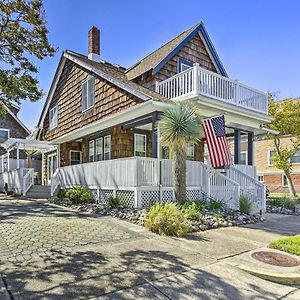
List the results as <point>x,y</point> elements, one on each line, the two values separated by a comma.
<point>78,195</point>
<point>284,202</point>
<point>214,205</point>
<point>289,244</point>
<point>61,194</point>
<point>167,219</point>
<point>192,212</point>
<point>115,202</point>
<point>199,204</point>
<point>245,205</point>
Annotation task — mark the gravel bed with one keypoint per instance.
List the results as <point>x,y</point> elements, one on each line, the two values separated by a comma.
<point>210,220</point>
<point>283,210</point>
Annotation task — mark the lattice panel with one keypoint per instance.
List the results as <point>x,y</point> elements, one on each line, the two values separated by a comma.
<point>148,197</point>
<point>193,195</point>
<point>104,195</point>
<point>95,195</point>
<point>127,197</point>
<point>167,196</point>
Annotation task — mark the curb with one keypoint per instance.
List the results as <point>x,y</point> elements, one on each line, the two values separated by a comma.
<point>285,278</point>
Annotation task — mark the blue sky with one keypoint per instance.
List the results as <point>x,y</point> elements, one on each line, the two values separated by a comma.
<point>257,41</point>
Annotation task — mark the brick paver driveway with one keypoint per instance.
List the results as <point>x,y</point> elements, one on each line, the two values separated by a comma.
<point>48,252</point>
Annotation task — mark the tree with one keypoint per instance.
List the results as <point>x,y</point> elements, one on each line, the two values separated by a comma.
<point>179,126</point>
<point>286,115</point>
<point>23,38</point>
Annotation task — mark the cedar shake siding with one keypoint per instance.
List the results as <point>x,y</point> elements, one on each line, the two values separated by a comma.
<point>194,52</point>
<point>109,99</point>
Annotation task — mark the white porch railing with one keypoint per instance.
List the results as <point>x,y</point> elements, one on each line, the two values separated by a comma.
<point>199,81</point>
<point>224,189</point>
<point>28,180</point>
<point>250,187</point>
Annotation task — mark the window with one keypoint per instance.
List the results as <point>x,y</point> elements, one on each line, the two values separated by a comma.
<point>165,152</point>
<point>184,64</point>
<point>295,159</point>
<point>190,152</point>
<point>88,93</point>
<point>53,117</point>
<point>4,135</point>
<point>284,181</point>
<point>260,178</point>
<point>75,157</point>
<point>244,159</point>
<point>99,149</point>
<point>270,157</point>
<point>91,150</point>
<point>140,146</point>
<point>107,147</point>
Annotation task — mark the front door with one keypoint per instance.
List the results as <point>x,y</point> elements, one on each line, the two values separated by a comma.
<point>51,166</point>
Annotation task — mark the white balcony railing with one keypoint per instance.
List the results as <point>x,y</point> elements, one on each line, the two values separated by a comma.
<point>199,81</point>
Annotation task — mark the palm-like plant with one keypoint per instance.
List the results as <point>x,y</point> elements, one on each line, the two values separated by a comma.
<point>179,126</point>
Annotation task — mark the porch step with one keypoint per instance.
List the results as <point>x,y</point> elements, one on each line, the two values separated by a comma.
<point>39,192</point>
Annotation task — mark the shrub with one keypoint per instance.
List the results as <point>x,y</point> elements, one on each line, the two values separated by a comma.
<point>245,205</point>
<point>61,194</point>
<point>283,202</point>
<point>167,219</point>
<point>214,205</point>
<point>199,204</point>
<point>289,244</point>
<point>115,202</point>
<point>78,194</point>
<point>192,212</point>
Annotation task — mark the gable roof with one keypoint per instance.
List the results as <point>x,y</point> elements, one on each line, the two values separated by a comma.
<point>157,59</point>
<point>14,116</point>
<point>107,71</point>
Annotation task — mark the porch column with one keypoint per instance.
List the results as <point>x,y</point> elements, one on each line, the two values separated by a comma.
<point>58,155</point>
<point>43,166</point>
<point>250,148</point>
<point>18,157</point>
<point>154,134</point>
<point>2,164</point>
<point>237,146</point>
<point>8,164</point>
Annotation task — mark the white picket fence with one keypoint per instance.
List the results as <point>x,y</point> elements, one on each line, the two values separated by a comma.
<point>199,81</point>
<point>144,180</point>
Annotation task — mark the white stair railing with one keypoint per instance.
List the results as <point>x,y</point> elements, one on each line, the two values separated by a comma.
<point>250,187</point>
<point>55,181</point>
<point>28,180</point>
<point>224,189</point>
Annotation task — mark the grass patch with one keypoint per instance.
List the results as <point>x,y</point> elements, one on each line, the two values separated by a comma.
<point>289,244</point>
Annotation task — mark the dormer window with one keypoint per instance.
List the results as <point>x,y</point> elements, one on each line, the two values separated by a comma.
<point>184,64</point>
<point>53,117</point>
<point>88,91</point>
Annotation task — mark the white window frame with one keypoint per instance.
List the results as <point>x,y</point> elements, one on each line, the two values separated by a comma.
<point>53,121</point>
<point>263,178</point>
<point>102,148</point>
<point>293,163</point>
<point>87,97</point>
<point>246,161</point>
<point>282,181</point>
<point>93,143</point>
<point>134,149</point>
<point>76,151</point>
<point>269,157</point>
<point>8,131</point>
<point>107,137</point>
<point>189,156</point>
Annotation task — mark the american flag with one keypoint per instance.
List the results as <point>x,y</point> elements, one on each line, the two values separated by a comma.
<point>218,149</point>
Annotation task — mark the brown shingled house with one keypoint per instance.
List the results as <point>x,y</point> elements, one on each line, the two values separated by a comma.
<point>102,118</point>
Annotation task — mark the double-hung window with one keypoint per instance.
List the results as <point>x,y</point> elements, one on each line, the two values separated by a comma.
<point>270,157</point>
<point>99,149</point>
<point>190,152</point>
<point>140,145</point>
<point>295,159</point>
<point>107,147</point>
<point>53,117</point>
<point>88,93</point>
<point>4,135</point>
<point>91,150</point>
<point>75,157</point>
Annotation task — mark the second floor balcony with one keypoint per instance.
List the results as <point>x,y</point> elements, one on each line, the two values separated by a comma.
<point>197,81</point>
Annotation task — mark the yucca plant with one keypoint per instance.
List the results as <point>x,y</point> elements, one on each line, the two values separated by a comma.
<point>179,126</point>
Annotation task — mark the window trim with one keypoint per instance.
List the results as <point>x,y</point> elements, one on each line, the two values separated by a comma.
<point>182,61</point>
<point>193,146</point>
<point>263,178</point>
<point>102,147</point>
<point>297,163</point>
<point>94,140</point>
<point>246,154</point>
<point>134,143</point>
<point>55,106</point>
<point>80,153</point>
<point>89,158</point>
<point>8,131</point>
<point>87,91</point>
<point>109,152</point>
<point>269,157</point>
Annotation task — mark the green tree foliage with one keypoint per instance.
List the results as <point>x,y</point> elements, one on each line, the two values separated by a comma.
<point>286,114</point>
<point>23,38</point>
<point>179,126</point>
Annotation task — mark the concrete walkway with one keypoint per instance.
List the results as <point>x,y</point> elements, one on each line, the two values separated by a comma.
<point>48,252</point>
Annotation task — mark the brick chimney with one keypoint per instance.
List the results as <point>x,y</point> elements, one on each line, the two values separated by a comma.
<point>94,44</point>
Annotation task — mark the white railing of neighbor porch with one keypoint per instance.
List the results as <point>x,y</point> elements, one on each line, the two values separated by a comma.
<point>55,181</point>
<point>199,81</point>
<point>27,180</point>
